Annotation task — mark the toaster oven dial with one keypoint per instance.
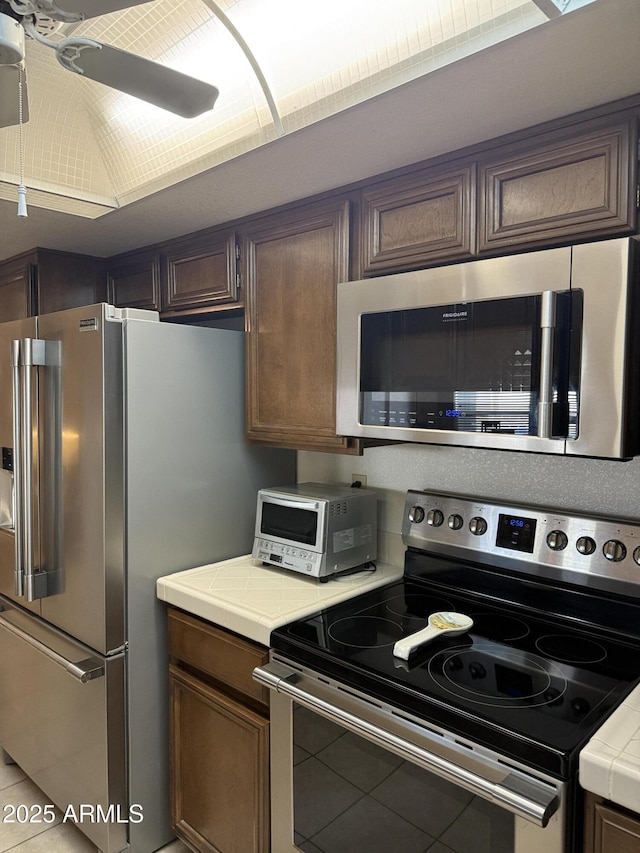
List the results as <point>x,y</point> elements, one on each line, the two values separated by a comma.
<point>416,514</point>
<point>585,545</point>
<point>557,540</point>
<point>455,521</point>
<point>435,517</point>
<point>478,526</point>
<point>614,551</point>
<point>636,555</point>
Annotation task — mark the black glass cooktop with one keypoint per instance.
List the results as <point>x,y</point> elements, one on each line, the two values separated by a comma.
<point>525,679</point>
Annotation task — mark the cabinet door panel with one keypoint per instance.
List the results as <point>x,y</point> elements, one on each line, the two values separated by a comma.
<point>17,283</point>
<point>293,266</point>
<point>577,187</point>
<point>133,280</point>
<point>615,832</point>
<point>200,273</point>
<point>419,219</point>
<point>220,769</point>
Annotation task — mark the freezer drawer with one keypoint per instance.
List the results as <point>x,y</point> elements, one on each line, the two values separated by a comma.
<point>62,720</point>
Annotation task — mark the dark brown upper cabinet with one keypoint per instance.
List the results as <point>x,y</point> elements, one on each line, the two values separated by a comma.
<point>293,262</point>
<point>17,288</point>
<point>575,185</point>
<point>44,281</point>
<point>133,280</point>
<point>419,219</point>
<point>199,274</point>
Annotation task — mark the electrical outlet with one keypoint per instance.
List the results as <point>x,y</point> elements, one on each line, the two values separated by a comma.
<point>359,478</point>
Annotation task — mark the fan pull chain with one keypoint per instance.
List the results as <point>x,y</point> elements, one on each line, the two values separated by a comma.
<point>22,190</point>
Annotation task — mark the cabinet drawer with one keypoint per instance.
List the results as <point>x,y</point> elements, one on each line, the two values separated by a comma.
<point>223,656</point>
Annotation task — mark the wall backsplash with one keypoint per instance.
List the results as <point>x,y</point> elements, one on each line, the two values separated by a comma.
<point>587,485</point>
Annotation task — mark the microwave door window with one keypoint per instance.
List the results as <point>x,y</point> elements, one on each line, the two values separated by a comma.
<point>290,523</point>
<point>468,367</point>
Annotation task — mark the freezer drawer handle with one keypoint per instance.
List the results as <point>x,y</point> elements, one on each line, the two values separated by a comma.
<point>84,670</point>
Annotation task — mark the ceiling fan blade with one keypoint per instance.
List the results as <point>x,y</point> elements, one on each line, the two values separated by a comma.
<point>9,112</point>
<point>66,10</point>
<point>171,90</point>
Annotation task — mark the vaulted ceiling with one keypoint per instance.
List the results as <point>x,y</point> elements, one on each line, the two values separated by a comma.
<point>357,87</point>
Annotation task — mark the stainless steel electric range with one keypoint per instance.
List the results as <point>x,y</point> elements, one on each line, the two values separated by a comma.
<point>471,744</point>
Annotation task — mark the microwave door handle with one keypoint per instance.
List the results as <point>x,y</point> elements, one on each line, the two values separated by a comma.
<point>17,468</point>
<point>545,400</point>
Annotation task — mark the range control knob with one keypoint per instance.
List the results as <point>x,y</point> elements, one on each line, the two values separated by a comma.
<point>455,521</point>
<point>478,525</point>
<point>636,555</point>
<point>614,551</point>
<point>435,517</point>
<point>416,514</point>
<point>557,540</point>
<point>585,545</point>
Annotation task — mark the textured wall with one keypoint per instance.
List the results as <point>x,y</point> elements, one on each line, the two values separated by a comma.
<point>588,485</point>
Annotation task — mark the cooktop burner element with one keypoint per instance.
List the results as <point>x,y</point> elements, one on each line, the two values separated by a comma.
<point>490,675</point>
<point>555,641</point>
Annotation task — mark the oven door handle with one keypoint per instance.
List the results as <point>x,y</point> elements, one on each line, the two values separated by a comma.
<point>530,799</point>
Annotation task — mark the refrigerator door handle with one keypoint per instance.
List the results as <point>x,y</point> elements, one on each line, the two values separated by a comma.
<point>17,468</point>
<point>31,352</point>
<point>84,670</point>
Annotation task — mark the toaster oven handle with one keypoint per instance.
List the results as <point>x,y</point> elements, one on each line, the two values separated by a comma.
<point>292,503</point>
<point>545,400</point>
<point>530,799</point>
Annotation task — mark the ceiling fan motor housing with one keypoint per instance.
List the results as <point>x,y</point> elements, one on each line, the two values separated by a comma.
<point>11,41</point>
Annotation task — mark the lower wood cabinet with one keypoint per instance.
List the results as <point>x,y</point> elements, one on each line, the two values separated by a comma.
<point>610,828</point>
<point>219,722</point>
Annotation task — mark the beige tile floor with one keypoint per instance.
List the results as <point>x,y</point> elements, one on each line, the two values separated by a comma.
<point>58,837</point>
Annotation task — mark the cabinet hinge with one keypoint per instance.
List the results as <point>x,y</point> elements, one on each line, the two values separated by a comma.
<point>238,275</point>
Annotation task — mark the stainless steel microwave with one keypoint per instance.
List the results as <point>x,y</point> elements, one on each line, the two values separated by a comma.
<point>316,529</point>
<point>536,352</point>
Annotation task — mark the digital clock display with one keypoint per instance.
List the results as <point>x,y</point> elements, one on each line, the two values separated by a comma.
<point>453,413</point>
<point>516,532</point>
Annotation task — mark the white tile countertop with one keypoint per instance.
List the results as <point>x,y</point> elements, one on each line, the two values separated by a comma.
<point>610,762</point>
<point>244,596</point>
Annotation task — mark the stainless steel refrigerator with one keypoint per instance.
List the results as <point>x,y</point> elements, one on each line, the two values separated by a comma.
<point>123,459</point>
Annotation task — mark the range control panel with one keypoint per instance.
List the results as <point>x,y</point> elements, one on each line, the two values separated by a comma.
<point>552,542</point>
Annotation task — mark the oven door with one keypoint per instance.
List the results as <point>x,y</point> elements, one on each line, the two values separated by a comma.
<point>350,774</point>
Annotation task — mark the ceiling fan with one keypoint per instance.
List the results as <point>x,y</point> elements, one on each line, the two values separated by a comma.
<point>171,90</point>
